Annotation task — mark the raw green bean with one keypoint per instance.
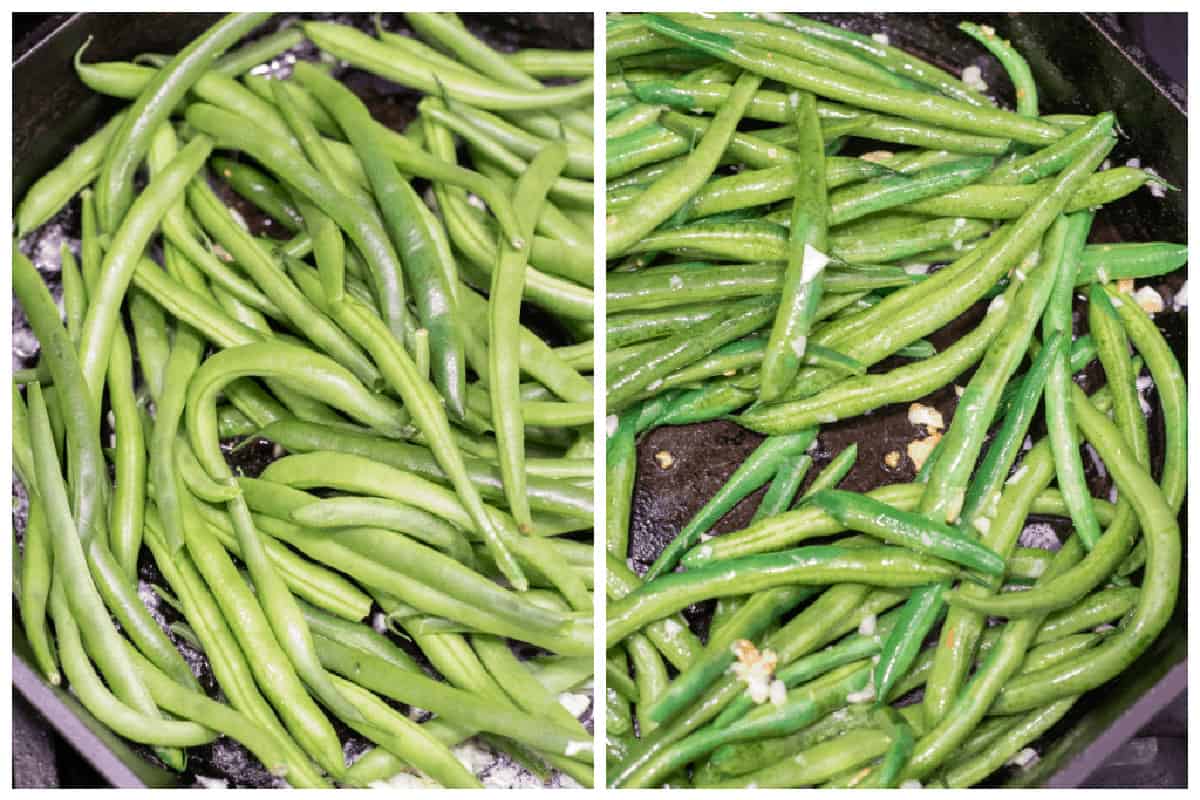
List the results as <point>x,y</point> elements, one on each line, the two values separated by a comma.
<point>368,54</point>
<point>47,196</point>
<point>131,141</point>
<point>120,261</point>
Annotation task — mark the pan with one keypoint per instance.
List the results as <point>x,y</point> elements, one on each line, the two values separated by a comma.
<point>53,111</point>
<point>1082,64</point>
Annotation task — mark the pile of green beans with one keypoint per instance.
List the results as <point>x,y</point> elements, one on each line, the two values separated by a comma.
<point>790,204</point>
<point>432,479</point>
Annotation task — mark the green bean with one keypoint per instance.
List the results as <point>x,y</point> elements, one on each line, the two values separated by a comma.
<point>974,701</point>
<point>790,42</point>
<point>830,83</point>
<point>749,476</point>
<point>752,187</point>
<point>130,80</point>
<point>904,190</point>
<point>36,574</point>
<point>626,380</point>
<point>449,32</point>
<point>76,600</point>
<point>666,196</point>
<point>552,63</point>
<point>520,684</point>
<point>129,240</point>
<point>745,757</point>
<point>228,663</point>
<point>395,732</point>
<point>630,328</point>
<point>786,483</point>
<point>47,196</point>
<point>962,630</point>
<point>569,191</point>
<point>1107,556</point>
<point>114,191</point>
<point>341,512</point>
<point>631,119</point>
<point>522,143</point>
<point>506,287</point>
<point>914,240</point>
<point>424,564</point>
<point>427,279</point>
<point>1172,392</point>
<point>751,619</point>
<point>546,494</point>
<point>150,335</point>
<point>1052,158</point>
<point>1082,353</point>
<point>1027,728</point>
<point>272,668</point>
<point>365,230</point>
<point>755,151</point>
<point>893,59</point>
<point>751,240</point>
<point>1065,241</point>
<point>998,461</point>
<point>788,643</point>
<point>903,528</point>
<point>368,54</point>
<point>260,190</point>
<point>1009,202</point>
<point>1016,66</point>
<point>860,394</point>
<point>552,221</point>
<point>129,491</point>
<point>1158,594</point>
<point>1111,262</point>
<point>135,723</point>
<point>88,474</point>
<point>421,399</point>
<point>949,478</point>
<point>454,705</point>
<point>257,52</point>
<point>805,707</point>
<point>320,547</point>
<point>324,379</point>
<point>803,280</point>
<point>380,480</point>
<point>620,471</point>
<point>804,566</point>
<point>670,635</point>
<point>74,291</point>
<point>560,296</point>
<point>984,268</point>
<point>617,674</point>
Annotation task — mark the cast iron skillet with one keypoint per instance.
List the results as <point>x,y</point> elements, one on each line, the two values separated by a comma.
<point>52,111</point>
<point>1081,66</point>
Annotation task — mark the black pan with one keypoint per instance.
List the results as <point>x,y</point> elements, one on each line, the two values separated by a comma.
<point>1082,65</point>
<point>53,111</point>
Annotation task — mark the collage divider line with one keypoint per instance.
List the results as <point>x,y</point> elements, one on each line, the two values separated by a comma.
<point>599,415</point>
